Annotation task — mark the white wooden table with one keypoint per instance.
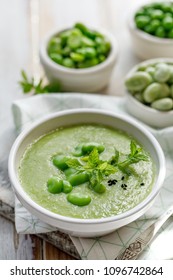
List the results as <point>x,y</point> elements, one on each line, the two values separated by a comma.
<point>23,23</point>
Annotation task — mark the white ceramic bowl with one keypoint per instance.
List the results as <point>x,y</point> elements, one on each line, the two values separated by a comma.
<point>86,227</point>
<point>90,79</point>
<point>145,45</point>
<point>150,116</point>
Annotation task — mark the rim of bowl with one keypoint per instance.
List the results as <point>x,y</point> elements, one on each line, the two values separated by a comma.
<point>138,103</point>
<point>110,59</point>
<point>143,34</point>
<point>19,190</point>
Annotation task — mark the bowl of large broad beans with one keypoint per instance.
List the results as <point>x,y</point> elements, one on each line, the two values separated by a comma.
<point>151,29</point>
<point>149,92</point>
<point>79,57</point>
<point>86,171</point>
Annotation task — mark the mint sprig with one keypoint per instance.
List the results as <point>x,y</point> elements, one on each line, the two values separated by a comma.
<point>94,166</point>
<point>29,85</point>
<point>135,156</point>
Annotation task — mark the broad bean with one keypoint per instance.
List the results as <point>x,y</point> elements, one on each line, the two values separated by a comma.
<point>87,52</point>
<point>150,70</point>
<point>69,171</point>
<point>88,147</point>
<point>57,58</point>
<point>88,62</point>
<point>67,187</point>
<point>78,150</point>
<point>138,81</point>
<point>60,161</point>
<point>164,104</point>
<point>79,199</point>
<point>99,188</point>
<point>55,185</point>
<point>68,62</point>
<point>78,179</point>
<point>155,91</point>
<point>162,73</point>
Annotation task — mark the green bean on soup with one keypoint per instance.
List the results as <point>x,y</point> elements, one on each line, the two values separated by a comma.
<point>87,171</point>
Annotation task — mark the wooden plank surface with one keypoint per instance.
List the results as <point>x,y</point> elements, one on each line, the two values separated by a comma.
<point>17,52</point>
<point>14,246</point>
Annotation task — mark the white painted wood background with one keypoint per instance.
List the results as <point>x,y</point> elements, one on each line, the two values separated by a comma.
<point>17,52</point>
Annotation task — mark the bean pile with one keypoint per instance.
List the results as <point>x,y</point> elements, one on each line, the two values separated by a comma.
<point>78,47</point>
<point>156,19</point>
<point>73,178</point>
<point>152,85</point>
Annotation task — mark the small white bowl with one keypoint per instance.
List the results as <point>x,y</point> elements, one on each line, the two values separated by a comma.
<point>147,46</point>
<point>91,79</point>
<point>86,227</point>
<point>146,114</point>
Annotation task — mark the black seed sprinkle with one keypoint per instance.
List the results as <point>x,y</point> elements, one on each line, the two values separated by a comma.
<point>142,184</point>
<point>122,178</point>
<point>114,181</point>
<point>124,186</point>
<point>110,183</point>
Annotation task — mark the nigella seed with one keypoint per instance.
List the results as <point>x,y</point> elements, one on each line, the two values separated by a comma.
<point>114,181</point>
<point>110,183</point>
<point>122,178</point>
<point>142,184</point>
<point>124,186</point>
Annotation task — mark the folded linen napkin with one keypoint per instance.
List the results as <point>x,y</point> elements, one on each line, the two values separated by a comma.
<point>26,111</point>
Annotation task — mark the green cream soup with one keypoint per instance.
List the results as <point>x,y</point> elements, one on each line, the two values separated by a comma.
<point>122,169</point>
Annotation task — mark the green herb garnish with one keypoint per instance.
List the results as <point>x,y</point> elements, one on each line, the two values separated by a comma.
<point>29,85</point>
<point>135,156</point>
<point>98,169</point>
<point>94,166</point>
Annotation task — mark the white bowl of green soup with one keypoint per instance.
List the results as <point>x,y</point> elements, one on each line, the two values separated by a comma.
<point>86,171</point>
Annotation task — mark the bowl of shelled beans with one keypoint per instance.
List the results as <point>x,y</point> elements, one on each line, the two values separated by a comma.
<point>149,92</point>
<point>151,29</point>
<point>80,58</point>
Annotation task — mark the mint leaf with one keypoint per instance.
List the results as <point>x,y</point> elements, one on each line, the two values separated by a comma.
<point>93,159</point>
<point>103,166</point>
<point>142,157</point>
<point>106,168</point>
<point>110,169</point>
<point>29,85</point>
<point>133,148</point>
<point>73,163</point>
